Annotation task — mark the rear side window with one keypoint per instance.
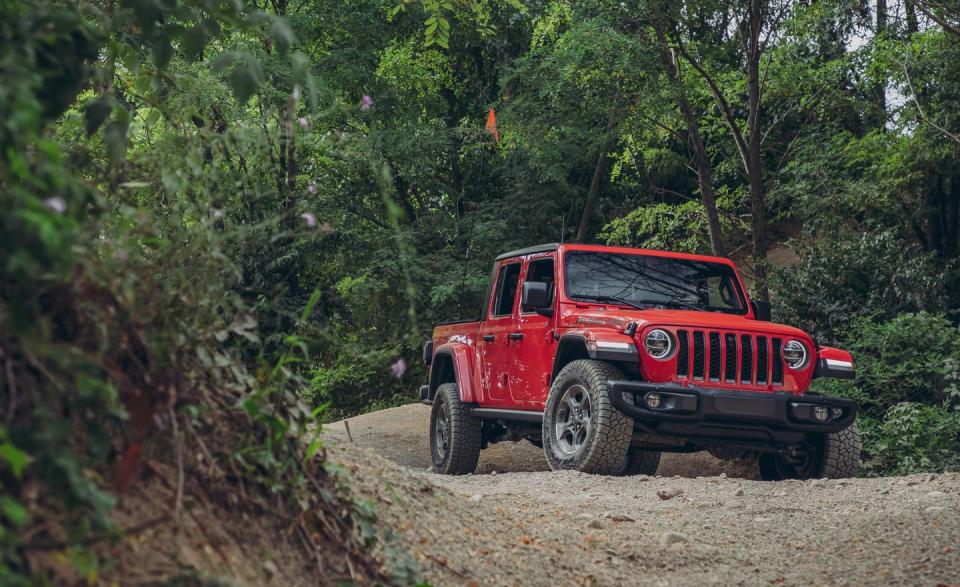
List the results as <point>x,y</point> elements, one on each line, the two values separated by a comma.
<point>507,281</point>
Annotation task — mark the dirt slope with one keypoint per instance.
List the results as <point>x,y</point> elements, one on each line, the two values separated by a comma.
<point>525,525</point>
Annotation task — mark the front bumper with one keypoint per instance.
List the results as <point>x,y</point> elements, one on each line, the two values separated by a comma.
<point>691,408</point>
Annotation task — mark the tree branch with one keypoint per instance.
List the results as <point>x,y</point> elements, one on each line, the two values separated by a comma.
<point>722,103</point>
<point>947,26</point>
<point>923,116</point>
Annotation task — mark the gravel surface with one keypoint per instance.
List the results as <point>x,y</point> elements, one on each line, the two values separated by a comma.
<point>694,523</point>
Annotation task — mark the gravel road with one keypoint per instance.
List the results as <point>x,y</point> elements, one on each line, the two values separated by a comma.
<point>699,521</point>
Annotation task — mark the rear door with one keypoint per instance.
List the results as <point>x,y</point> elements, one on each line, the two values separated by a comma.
<point>495,341</point>
<point>533,343</point>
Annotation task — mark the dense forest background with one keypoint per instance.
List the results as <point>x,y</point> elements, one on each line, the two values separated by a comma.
<point>222,212</point>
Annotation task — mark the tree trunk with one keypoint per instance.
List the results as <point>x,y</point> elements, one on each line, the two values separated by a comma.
<point>599,171</point>
<point>758,212</point>
<point>704,172</point>
<point>452,119</point>
<point>911,10</point>
<point>881,89</point>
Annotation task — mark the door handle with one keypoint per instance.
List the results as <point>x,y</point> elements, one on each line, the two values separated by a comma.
<point>515,336</point>
<point>489,338</point>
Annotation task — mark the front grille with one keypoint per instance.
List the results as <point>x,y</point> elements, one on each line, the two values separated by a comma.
<point>698,352</point>
<point>726,356</point>
<point>730,364</point>
<point>715,356</point>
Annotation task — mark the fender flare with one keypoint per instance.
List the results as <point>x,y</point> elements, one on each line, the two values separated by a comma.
<point>835,363</point>
<point>452,364</point>
<point>580,344</point>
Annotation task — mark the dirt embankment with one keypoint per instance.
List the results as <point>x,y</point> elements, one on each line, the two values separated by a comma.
<point>697,522</point>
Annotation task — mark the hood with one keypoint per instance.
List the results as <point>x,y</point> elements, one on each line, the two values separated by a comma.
<point>617,318</point>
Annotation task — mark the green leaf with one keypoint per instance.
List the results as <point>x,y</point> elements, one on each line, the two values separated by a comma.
<point>14,510</point>
<point>162,48</point>
<point>115,136</point>
<point>245,79</point>
<point>95,113</point>
<point>313,448</point>
<point>311,304</point>
<point>16,458</point>
<point>224,61</point>
<point>194,40</point>
<point>282,35</point>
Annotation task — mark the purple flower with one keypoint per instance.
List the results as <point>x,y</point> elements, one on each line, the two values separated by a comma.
<point>309,218</point>
<point>312,188</point>
<point>56,203</point>
<point>398,368</point>
<point>304,123</point>
<point>366,102</point>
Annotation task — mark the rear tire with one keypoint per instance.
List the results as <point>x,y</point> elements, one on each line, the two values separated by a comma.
<point>582,430</point>
<point>642,462</point>
<point>833,456</point>
<point>454,434</point>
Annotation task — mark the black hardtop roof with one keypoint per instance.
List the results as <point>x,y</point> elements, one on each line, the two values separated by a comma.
<point>529,251</point>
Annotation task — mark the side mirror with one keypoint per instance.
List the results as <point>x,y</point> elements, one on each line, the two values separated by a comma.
<point>761,310</point>
<point>535,295</point>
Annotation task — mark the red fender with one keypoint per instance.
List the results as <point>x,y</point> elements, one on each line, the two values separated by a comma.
<point>461,356</point>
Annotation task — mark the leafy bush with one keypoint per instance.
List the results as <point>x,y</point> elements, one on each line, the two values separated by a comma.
<point>675,227</point>
<point>911,358</point>
<point>912,438</point>
<point>908,372</point>
<point>839,279</point>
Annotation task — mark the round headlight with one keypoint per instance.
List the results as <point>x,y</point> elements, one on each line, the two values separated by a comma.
<point>795,354</point>
<point>659,344</point>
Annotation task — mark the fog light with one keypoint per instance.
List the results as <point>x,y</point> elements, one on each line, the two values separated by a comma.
<point>653,400</point>
<point>837,413</point>
<point>821,413</point>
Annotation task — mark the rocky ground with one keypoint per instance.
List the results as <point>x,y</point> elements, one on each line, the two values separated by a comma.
<point>699,521</point>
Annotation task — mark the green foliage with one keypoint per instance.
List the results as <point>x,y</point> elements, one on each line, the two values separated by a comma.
<point>247,216</point>
<point>908,372</point>
<point>681,227</point>
<point>841,277</point>
<point>912,438</point>
<point>909,358</point>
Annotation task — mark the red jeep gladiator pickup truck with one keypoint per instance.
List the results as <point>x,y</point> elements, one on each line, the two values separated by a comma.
<point>606,357</point>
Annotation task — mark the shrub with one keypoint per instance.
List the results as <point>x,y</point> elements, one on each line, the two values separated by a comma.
<point>912,438</point>
<point>913,357</point>
<point>839,279</point>
<point>681,227</point>
<point>908,370</point>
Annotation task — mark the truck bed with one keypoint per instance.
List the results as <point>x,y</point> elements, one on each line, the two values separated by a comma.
<point>464,331</point>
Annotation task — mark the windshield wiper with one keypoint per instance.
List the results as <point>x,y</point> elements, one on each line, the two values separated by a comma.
<point>673,304</point>
<point>611,300</point>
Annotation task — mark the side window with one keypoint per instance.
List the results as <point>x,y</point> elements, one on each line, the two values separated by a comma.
<point>541,271</point>
<point>507,281</point>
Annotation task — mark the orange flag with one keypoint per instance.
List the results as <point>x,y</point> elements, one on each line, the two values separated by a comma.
<point>492,125</point>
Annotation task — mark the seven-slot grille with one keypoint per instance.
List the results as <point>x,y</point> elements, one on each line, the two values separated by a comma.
<point>729,358</point>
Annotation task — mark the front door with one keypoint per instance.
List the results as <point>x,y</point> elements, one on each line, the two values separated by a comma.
<point>533,349</point>
<point>495,342</point>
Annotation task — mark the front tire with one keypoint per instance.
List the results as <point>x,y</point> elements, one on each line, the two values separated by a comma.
<point>454,434</point>
<point>833,456</point>
<point>582,430</point>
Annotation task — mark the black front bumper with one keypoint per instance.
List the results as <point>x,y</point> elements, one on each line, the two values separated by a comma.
<point>696,411</point>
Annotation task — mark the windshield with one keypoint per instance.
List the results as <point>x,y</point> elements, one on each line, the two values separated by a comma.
<point>647,281</point>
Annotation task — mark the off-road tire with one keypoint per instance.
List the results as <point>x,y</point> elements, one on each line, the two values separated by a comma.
<point>837,457</point>
<point>641,462</point>
<point>604,447</point>
<point>462,449</point>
